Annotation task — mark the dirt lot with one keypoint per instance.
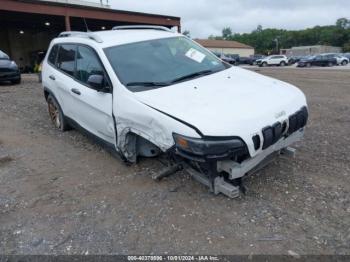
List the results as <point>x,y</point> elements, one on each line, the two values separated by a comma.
<point>62,194</point>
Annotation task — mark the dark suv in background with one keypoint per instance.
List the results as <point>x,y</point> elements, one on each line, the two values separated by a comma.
<point>318,60</point>
<point>9,70</point>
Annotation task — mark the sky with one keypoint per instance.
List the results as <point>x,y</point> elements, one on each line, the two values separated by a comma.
<point>205,17</point>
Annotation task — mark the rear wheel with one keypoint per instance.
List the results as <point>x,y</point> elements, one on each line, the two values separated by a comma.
<point>330,64</point>
<point>344,62</point>
<point>56,114</point>
<point>282,63</point>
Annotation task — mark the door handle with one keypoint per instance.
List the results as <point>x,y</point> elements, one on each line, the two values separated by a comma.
<point>75,91</point>
<point>52,77</point>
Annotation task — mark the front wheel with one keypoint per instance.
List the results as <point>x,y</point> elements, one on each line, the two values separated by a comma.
<point>282,63</point>
<point>264,64</point>
<point>56,114</point>
<point>330,64</point>
<point>343,63</point>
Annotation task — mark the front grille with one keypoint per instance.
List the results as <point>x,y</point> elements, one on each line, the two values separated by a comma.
<point>256,141</point>
<point>298,120</point>
<point>6,70</point>
<point>277,132</point>
<point>272,134</point>
<point>268,137</point>
<point>293,123</point>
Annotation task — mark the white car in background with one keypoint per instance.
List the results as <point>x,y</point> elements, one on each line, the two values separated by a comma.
<point>341,60</point>
<point>277,60</point>
<point>145,91</point>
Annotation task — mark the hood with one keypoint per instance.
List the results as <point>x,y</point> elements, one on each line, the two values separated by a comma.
<point>233,102</point>
<point>5,63</point>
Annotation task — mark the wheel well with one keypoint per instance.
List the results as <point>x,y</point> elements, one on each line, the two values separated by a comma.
<point>46,94</point>
<point>135,145</point>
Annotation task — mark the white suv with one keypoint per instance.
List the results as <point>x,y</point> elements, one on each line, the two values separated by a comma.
<point>146,91</point>
<point>280,60</point>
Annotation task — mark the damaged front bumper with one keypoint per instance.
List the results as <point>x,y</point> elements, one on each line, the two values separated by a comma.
<point>235,170</point>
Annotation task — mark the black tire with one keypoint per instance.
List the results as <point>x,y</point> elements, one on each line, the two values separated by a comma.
<point>282,63</point>
<point>330,64</point>
<point>16,82</point>
<point>308,64</point>
<point>56,114</point>
<point>264,64</point>
<point>344,62</point>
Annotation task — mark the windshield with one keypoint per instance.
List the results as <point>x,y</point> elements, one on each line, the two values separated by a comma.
<point>3,55</point>
<point>156,63</point>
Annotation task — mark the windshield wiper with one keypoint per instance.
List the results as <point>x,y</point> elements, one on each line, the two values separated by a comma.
<point>193,75</point>
<point>182,78</point>
<point>147,84</point>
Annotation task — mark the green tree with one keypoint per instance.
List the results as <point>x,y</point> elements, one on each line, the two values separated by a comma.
<point>263,39</point>
<point>343,23</point>
<point>259,29</point>
<point>226,33</point>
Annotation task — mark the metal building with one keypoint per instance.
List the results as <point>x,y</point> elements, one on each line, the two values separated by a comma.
<point>227,47</point>
<point>310,50</point>
<point>27,26</point>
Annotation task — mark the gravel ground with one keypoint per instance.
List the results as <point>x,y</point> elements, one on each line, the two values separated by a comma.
<point>62,194</point>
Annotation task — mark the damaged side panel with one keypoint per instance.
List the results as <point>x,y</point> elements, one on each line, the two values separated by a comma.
<point>144,130</point>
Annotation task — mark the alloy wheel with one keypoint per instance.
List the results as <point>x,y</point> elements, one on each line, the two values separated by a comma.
<point>54,114</point>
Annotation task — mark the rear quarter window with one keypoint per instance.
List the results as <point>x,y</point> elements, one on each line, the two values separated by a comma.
<point>53,55</point>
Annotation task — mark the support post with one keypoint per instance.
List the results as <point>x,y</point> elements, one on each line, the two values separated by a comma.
<point>67,22</point>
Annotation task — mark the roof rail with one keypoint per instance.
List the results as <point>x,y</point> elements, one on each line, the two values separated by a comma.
<point>150,27</point>
<point>89,35</point>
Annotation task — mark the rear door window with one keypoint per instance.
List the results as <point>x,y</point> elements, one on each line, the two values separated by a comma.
<point>66,59</point>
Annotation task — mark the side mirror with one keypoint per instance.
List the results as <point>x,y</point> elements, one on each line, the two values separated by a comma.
<point>97,82</point>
